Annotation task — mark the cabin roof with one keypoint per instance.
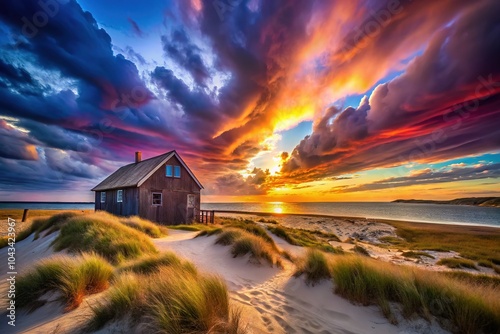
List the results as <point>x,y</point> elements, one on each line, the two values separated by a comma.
<point>135,174</point>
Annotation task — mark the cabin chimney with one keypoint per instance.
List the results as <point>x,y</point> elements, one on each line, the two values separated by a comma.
<point>138,157</point>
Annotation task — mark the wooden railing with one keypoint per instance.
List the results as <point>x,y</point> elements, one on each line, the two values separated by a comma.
<point>207,216</point>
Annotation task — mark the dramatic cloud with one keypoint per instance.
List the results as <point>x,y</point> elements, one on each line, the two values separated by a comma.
<point>446,105</point>
<point>430,176</point>
<point>217,80</point>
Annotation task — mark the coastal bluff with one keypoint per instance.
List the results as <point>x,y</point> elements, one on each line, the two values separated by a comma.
<point>476,201</point>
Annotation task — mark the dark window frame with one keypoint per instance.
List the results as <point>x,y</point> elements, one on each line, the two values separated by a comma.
<point>153,199</point>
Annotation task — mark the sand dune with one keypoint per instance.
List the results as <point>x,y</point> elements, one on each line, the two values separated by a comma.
<point>276,302</point>
<point>272,300</point>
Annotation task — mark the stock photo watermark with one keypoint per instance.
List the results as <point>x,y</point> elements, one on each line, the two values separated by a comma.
<point>11,271</point>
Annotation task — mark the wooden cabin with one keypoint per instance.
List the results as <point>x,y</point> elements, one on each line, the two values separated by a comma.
<point>162,189</point>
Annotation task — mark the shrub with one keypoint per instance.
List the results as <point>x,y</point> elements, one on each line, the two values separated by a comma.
<point>314,266</point>
<point>145,226</point>
<point>72,278</point>
<point>104,234</point>
<point>454,263</point>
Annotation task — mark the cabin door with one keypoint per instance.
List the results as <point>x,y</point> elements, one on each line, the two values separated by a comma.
<point>190,207</point>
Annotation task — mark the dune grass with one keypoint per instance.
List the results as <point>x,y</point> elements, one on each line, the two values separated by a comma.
<point>246,225</point>
<point>145,226</point>
<point>191,227</point>
<point>243,242</point>
<point>471,242</point>
<point>153,263</point>
<point>103,233</point>
<point>71,277</point>
<point>471,309</point>
<point>417,255</point>
<point>315,266</point>
<point>360,250</point>
<point>306,238</point>
<point>173,300</point>
<point>474,279</point>
<point>39,225</point>
<point>457,263</point>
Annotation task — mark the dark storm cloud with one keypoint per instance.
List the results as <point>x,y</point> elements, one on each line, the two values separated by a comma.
<point>179,47</point>
<point>62,37</point>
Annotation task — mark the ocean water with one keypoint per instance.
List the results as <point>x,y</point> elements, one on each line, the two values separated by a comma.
<point>427,213</point>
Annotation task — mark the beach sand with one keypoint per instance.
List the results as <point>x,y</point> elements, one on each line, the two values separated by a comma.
<point>271,299</point>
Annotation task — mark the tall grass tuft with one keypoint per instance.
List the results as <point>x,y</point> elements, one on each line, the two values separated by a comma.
<point>471,309</point>
<point>153,263</point>
<point>257,248</point>
<point>71,277</point>
<point>456,263</point>
<point>306,238</point>
<point>227,237</point>
<point>172,300</point>
<point>145,226</point>
<point>39,225</point>
<point>315,266</point>
<point>104,234</point>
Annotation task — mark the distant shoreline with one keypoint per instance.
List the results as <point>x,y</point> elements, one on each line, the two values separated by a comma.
<point>473,201</point>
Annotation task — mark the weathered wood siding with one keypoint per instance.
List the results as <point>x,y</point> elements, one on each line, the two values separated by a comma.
<point>128,207</point>
<point>175,193</point>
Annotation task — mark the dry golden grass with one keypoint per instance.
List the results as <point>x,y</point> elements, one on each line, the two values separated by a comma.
<point>478,243</point>
<point>173,300</point>
<point>471,308</point>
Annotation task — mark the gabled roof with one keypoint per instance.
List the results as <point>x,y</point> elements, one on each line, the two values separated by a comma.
<point>135,174</point>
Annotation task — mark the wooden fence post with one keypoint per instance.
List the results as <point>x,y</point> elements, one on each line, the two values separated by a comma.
<point>25,215</point>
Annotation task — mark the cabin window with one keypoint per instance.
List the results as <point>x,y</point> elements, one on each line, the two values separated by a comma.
<point>103,197</point>
<point>157,199</point>
<point>177,171</point>
<point>168,171</point>
<point>119,196</point>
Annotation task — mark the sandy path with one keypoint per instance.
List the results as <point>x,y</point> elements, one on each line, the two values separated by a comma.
<point>277,302</point>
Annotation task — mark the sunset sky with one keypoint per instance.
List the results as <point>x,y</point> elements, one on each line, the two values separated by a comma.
<point>266,100</point>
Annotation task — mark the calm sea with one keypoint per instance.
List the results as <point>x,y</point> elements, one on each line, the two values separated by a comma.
<point>430,213</point>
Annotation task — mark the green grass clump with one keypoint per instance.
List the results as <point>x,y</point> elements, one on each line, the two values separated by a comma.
<point>172,300</point>
<point>228,236</point>
<point>153,263</point>
<point>39,225</point>
<point>457,263</point>
<point>314,266</point>
<point>103,234</point>
<point>416,255</point>
<point>145,226</point>
<point>474,279</point>
<point>247,225</point>
<point>190,227</point>
<point>71,277</point>
<point>257,248</point>
<point>210,232</point>
<point>471,309</point>
<point>306,238</point>
<point>360,250</point>
<point>244,242</point>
